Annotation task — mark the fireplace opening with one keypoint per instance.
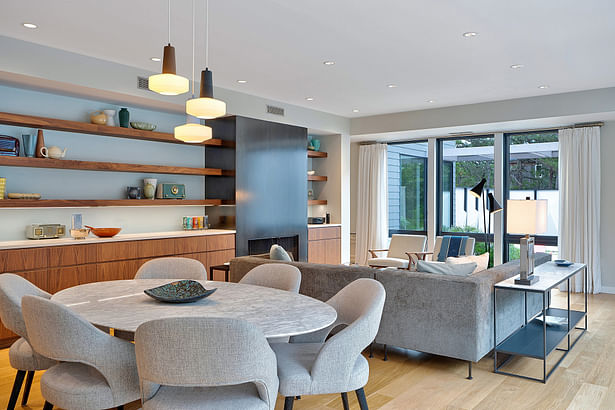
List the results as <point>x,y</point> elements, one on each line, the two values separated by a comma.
<point>262,245</point>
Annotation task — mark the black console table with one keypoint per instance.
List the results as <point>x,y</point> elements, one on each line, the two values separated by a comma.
<point>535,338</point>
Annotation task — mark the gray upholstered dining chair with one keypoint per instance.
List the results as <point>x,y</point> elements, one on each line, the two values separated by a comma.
<point>95,370</point>
<point>316,366</point>
<point>274,275</point>
<point>172,268</point>
<point>205,363</point>
<point>21,355</point>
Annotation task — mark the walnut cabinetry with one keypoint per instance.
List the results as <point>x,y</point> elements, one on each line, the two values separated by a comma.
<point>324,244</point>
<point>53,268</point>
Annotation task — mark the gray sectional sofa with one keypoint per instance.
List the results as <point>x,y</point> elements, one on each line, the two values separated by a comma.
<point>440,314</point>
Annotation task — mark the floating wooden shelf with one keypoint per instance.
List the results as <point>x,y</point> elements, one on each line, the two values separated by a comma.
<point>108,166</point>
<point>86,203</point>
<point>314,177</point>
<point>316,154</point>
<point>317,202</point>
<point>105,130</point>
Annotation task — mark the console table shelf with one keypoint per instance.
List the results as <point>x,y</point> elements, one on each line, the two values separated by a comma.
<point>108,166</point>
<point>105,130</point>
<point>87,203</point>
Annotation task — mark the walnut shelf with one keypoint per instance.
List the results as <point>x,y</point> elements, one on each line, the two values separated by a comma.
<point>317,202</point>
<point>316,154</point>
<point>105,130</point>
<point>86,203</point>
<point>108,166</point>
<point>314,177</point>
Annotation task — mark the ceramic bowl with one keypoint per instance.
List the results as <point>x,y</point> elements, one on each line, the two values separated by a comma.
<point>311,172</point>
<point>145,126</point>
<point>104,232</point>
<point>181,291</point>
<point>16,195</point>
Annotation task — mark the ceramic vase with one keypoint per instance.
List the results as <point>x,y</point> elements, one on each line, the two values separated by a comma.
<point>40,143</point>
<point>124,118</point>
<point>149,187</point>
<point>110,114</point>
<point>29,145</point>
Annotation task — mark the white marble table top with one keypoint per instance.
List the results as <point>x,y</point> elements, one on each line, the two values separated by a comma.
<point>550,275</point>
<point>122,305</point>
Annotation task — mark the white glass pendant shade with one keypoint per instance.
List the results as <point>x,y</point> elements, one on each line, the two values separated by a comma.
<point>192,133</point>
<point>206,107</point>
<point>168,83</point>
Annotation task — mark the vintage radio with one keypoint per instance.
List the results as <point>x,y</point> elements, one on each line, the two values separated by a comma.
<point>171,191</point>
<point>9,146</point>
<point>45,231</point>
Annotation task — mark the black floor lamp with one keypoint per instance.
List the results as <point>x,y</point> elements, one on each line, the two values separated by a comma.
<point>489,204</point>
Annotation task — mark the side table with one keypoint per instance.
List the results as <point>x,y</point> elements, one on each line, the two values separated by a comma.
<point>535,338</point>
<point>225,267</point>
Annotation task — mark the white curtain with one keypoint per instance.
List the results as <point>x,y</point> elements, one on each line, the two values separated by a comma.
<point>372,226</point>
<point>579,197</point>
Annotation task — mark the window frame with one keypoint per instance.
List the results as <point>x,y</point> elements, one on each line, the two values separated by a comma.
<point>426,185</point>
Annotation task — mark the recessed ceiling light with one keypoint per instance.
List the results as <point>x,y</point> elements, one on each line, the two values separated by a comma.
<point>328,62</point>
<point>516,66</point>
<point>431,101</point>
<point>542,87</point>
<point>309,98</point>
<point>470,34</point>
<point>29,25</point>
<point>156,59</point>
<point>355,110</point>
<point>242,81</point>
<point>392,85</point>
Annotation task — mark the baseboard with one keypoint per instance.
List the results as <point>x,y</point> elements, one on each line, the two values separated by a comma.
<point>608,289</point>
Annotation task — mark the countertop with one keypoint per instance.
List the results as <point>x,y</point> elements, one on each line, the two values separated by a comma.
<point>37,243</point>
<point>310,226</point>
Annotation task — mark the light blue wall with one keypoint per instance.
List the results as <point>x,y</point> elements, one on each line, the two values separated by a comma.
<point>71,184</point>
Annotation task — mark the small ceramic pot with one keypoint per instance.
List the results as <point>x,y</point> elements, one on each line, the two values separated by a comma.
<point>110,117</point>
<point>98,117</point>
<point>149,187</point>
<point>124,118</point>
<point>133,192</point>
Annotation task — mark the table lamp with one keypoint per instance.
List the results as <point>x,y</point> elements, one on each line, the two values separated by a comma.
<point>526,217</point>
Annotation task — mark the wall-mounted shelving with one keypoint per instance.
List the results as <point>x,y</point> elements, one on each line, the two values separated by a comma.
<point>317,202</point>
<point>317,178</point>
<point>108,166</point>
<point>94,129</point>
<point>316,154</point>
<point>86,203</point>
<point>314,177</point>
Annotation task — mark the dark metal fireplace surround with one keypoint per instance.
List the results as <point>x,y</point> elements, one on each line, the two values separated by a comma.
<point>263,245</point>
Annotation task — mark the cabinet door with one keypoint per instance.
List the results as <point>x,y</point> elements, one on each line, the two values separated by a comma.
<point>316,252</point>
<point>155,248</point>
<point>114,251</point>
<point>71,255</point>
<point>16,260</point>
<point>193,244</point>
<point>69,276</point>
<point>333,254</point>
<point>220,242</point>
<point>118,270</point>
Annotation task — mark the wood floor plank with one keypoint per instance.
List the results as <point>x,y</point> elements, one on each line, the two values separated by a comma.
<point>588,393</point>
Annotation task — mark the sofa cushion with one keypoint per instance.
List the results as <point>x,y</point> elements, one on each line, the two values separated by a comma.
<point>443,268</point>
<point>277,253</point>
<point>388,262</point>
<point>482,261</point>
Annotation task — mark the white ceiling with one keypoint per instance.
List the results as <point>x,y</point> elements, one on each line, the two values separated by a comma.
<point>279,46</point>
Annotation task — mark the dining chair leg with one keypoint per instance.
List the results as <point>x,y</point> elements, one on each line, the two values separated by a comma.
<point>371,350</point>
<point>297,397</point>
<point>345,401</point>
<point>16,389</point>
<point>288,403</point>
<point>385,353</point>
<point>26,389</point>
<point>361,397</point>
<point>120,407</point>
<point>48,406</point>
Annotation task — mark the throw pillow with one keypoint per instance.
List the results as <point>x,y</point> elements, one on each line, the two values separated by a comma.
<point>277,253</point>
<point>462,269</point>
<point>482,261</point>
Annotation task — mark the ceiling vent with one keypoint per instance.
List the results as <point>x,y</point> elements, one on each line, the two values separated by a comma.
<point>142,83</point>
<point>275,110</point>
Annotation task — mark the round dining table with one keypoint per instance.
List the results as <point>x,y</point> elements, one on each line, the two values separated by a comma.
<point>122,305</point>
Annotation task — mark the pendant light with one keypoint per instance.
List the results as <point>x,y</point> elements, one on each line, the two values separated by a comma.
<point>192,132</point>
<point>206,107</point>
<point>168,83</point>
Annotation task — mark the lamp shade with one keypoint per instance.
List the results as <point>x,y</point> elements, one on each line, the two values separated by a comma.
<point>168,83</point>
<point>477,191</point>
<point>492,204</point>
<point>192,133</point>
<point>526,217</point>
<point>206,106</point>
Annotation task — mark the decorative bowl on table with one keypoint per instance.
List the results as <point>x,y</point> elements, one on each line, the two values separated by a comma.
<point>104,232</point>
<point>16,195</point>
<point>145,126</point>
<point>181,291</point>
<point>562,262</point>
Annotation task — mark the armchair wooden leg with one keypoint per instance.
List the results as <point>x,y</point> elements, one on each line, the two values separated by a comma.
<point>385,353</point>
<point>345,401</point>
<point>48,406</point>
<point>26,389</point>
<point>16,389</point>
<point>362,400</point>
<point>288,403</point>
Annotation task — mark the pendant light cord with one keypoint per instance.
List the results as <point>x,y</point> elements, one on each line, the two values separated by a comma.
<point>206,33</point>
<point>193,41</point>
<point>169,17</point>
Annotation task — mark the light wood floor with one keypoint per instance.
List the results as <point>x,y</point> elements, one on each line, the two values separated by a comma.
<point>584,380</point>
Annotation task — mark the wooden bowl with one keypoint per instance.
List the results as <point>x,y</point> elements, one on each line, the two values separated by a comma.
<point>104,232</point>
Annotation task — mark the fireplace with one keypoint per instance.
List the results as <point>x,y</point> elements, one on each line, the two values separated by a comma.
<point>262,245</point>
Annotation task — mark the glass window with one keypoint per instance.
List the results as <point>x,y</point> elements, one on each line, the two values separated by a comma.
<point>463,162</point>
<point>407,184</point>
<point>532,172</point>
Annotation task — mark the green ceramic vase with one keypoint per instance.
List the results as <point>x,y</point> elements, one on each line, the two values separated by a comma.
<point>124,118</point>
